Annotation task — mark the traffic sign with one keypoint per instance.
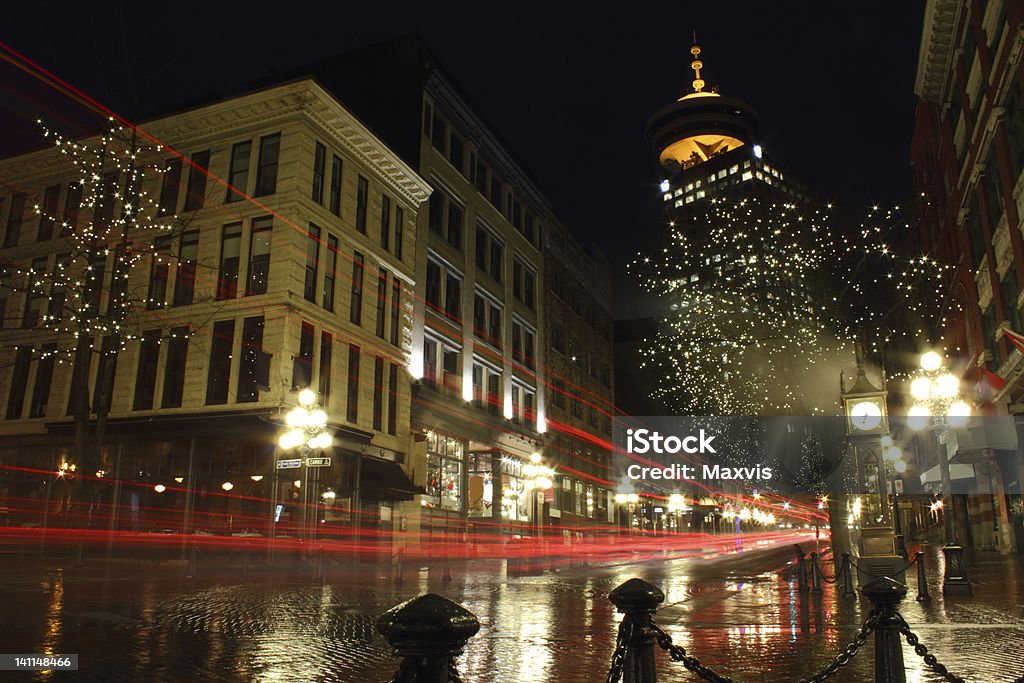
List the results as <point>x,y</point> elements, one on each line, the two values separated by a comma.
<point>899,486</point>
<point>318,462</point>
<point>289,464</point>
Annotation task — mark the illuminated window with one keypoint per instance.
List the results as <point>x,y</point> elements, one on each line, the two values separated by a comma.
<point>747,175</point>
<point>734,169</point>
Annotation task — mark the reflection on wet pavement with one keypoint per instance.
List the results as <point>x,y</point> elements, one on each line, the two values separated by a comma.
<point>741,615</point>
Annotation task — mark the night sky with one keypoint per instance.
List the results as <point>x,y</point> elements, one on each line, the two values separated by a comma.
<point>569,86</point>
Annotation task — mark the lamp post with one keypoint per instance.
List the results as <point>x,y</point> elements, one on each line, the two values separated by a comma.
<point>537,480</point>
<point>629,500</point>
<point>677,506</point>
<point>307,431</point>
<point>938,407</point>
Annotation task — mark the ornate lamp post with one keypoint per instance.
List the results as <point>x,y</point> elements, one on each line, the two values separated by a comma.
<point>538,479</point>
<point>307,431</point>
<point>938,407</point>
<point>629,500</point>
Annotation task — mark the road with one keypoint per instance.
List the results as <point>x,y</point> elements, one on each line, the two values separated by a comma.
<point>739,613</point>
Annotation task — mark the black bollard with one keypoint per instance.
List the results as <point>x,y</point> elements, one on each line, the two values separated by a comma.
<point>847,570</point>
<point>428,633</point>
<point>447,571</point>
<point>191,571</point>
<point>320,563</point>
<point>955,582</point>
<point>638,600</point>
<point>801,564</point>
<point>922,581</point>
<point>815,575</point>
<point>885,594</point>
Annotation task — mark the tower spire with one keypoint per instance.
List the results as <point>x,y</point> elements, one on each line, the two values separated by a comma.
<point>696,65</point>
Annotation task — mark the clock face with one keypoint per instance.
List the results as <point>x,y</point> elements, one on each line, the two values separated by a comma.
<point>865,415</point>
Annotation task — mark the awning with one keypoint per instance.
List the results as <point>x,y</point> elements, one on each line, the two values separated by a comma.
<point>381,479</point>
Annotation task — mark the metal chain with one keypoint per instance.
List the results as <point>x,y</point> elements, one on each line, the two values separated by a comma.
<point>922,652</point>
<point>844,657</point>
<point>619,655</point>
<point>821,572</point>
<point>678,654</point>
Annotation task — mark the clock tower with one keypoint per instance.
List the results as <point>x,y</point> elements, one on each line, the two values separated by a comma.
<point>867,422</point>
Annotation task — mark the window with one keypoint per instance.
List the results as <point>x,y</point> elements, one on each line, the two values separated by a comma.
<point>496,192</point>
<point>380,323</point>
<point>433,288</point>
<point>523,399</point>
<point>494,401</point>
<point>259,255</point>
<point>524,283</point>
<point>219,375</point>
<point>302,365</point>
<point>399,231</point>
<point>5,295</point>
<point>106,371</point>
<point>444,472</point>
<point>452,298</point>
<point>312,263</point>
<point>480,179</point>
<point>319,162</point>
<point>393,400</point>
<point>330,269</point>
<point>430,361</point>
<point>996,207</point>
<point>1010,292</point>
<point>169,187</point>
<point>249,359</point>
<point>435,212</point>
<point>78,396</point>
<point>185,280</point>
<point>14,219</point>
<point>145,373</point>
<point>158,272</point>
<point>44,378</point>
<point>335,197</point>
<point>324,378</point>
<point>557,338</point>
<point>355,312</point>
<point>48,212</point>
<point>479,316</point>
<point>19,382</point>
<point>385,222</point>
<point>72,207</point>
<point>362,198</point>
<point>497,260</point>
<point>230,250</point>
<point>522,344</point>
<point>266,168</point>
<point>478,385</point>
<point>437,133</point>
<point>34,292</point>
<point>481,248</point>
<point>352,407</point>
<point>976,233</point>
<point>378,393</point>
<point>238,173</point>
<point>58,295</point>
<point>196,194</point>
<point>494,330</point>
<point>174,371</point>
<point>396,308</point>
<point>556,285</point>
<point>94,285</point>
<point>455,146</point>
<point>451,378</point>
<point>455,214</point>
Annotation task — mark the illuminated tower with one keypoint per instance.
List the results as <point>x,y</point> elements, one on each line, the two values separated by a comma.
<point>707,146</point>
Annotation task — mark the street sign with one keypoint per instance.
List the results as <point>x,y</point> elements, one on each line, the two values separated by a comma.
<point>899,486</point>
<point>318,462</point>
<point>289,464</point>
<point>906,505</point>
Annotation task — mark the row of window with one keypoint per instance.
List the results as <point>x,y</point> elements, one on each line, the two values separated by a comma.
<point>391,232</point>
<point>452,145</point>
<point>566,399</point>
<point>586,359</point>
<point>573,296</point>
<point>384,414</point>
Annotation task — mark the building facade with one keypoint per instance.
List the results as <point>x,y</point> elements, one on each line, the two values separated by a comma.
<point>968,157</point>
<point>289,263</point>
<point>483,346</point>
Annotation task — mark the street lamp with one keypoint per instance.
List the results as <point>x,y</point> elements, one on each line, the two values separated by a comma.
<point>938,407</point>
<point>677,506</point>
<point>538,479</point>
<point>629,500</point>
<point>307,431</point>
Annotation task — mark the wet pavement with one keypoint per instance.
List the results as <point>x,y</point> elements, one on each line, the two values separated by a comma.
<point>740,614</point>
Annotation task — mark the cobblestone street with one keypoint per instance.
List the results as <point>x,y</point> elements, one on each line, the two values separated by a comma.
<point>740,614</point>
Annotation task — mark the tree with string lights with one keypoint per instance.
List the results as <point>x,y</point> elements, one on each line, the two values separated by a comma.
<point>111,223</point>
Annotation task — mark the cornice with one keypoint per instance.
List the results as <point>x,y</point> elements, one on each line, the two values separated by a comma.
<point>941,18</point>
